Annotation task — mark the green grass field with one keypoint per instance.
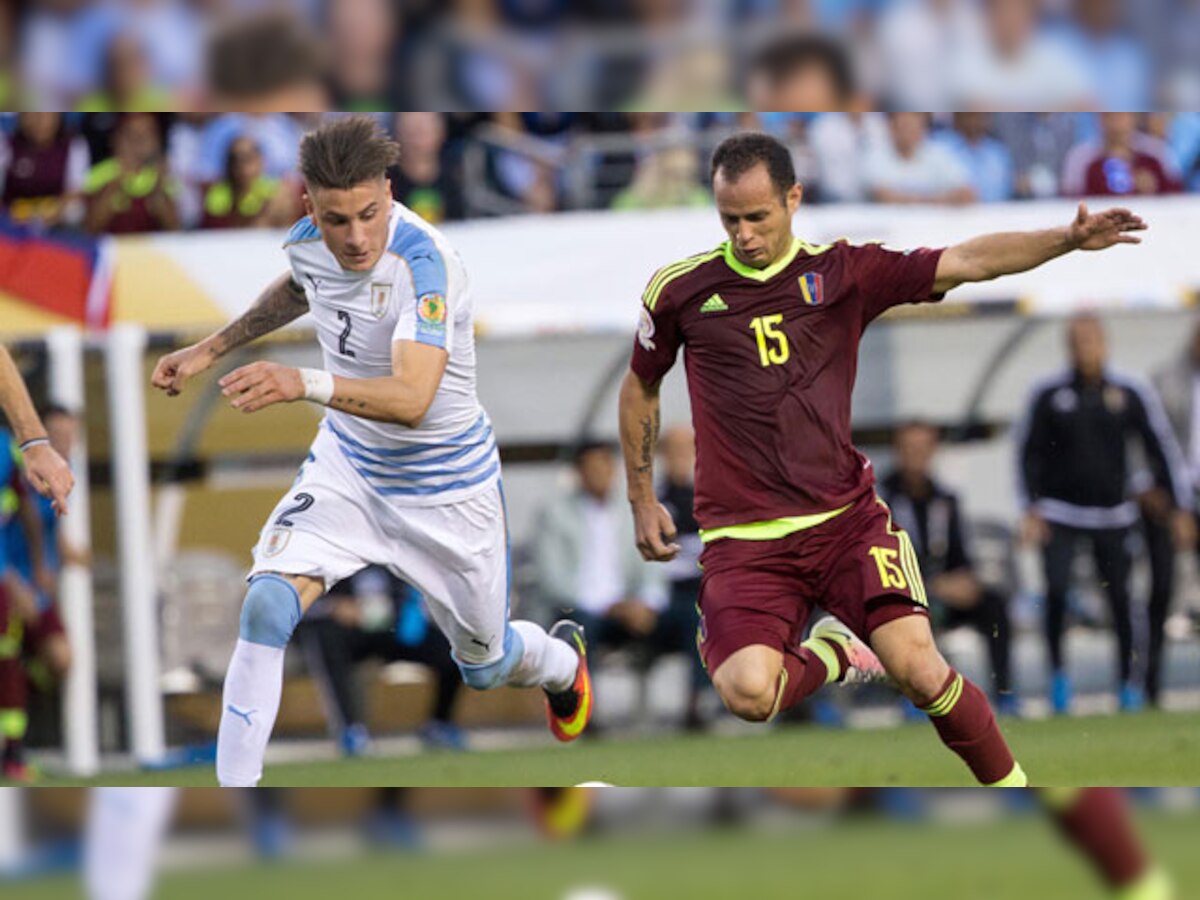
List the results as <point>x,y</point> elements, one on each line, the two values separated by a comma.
<point>1152,749</point>
<point>1011,860</point>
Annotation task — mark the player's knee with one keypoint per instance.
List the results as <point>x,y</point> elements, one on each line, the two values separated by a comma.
<point>485,677</point>
<point>749,692</point>
<point>271,611</point>
<point>921,678</point>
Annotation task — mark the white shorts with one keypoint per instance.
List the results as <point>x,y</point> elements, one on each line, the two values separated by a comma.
<point>332,524</point>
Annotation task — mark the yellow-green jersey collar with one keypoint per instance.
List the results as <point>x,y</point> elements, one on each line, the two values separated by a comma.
<point>776,267</point>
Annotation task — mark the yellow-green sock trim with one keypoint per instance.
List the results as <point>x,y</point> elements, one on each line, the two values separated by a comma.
<point>820,648</point>
<point>944,705</point>
<point>1015,779</point>
<point>1154,885</point>
<point>1059,799</point>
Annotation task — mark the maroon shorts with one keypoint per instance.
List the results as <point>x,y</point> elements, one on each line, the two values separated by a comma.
<point>857,566</point>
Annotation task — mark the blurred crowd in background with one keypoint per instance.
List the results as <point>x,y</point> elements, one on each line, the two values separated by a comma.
<point>116,173</point>
<point>598,54</point>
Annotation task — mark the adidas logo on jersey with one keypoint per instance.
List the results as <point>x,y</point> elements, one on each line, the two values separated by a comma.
<point>714,304</point>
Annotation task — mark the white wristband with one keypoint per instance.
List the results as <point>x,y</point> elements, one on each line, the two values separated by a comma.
<point>318,385</point>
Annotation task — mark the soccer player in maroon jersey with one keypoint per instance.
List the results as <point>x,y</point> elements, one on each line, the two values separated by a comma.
<point>786,504</point>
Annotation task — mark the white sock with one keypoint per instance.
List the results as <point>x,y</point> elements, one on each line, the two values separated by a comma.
<point>253,688</point>
<point>125,828</point>
<point>548,662</point>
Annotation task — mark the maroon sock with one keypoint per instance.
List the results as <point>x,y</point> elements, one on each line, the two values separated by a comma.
<point>965,723</point>
<point>806,674</point>
<point>1098,822</point>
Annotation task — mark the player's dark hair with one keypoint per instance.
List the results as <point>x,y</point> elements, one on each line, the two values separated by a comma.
<point>737,155</point>
<point>254,55</point>
<point>346,152</point>
<point>785,56</point>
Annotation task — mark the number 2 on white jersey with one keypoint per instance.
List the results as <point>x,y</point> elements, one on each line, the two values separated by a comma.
<point>345,335</point>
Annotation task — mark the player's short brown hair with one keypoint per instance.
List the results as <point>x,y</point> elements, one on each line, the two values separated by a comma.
<point>737,155</point>
<point>346,152</point>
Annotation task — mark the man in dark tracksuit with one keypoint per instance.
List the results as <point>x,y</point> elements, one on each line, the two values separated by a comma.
<point>932,516</point>
<point>1073,482</point>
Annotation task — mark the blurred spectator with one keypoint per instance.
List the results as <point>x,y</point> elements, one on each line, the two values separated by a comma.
<point>1178,55</point>
<point>689,75</point>
<point>165,31</point>
<point>424,181</point>
<point>1118,66</point>
<point>126,82</point>
<point>277,135</point>
<point>803,72</point>
<point>375,616</point>
<point>7,28</point>
<point>133,191</point>
<point>911,168</point>
<point>183,159</point>
<point>246,197</point>
<point>842,144</point>
<point>1016,65</point>
<point>265,62</point>
<point>43,167</point>
<point>527,172</point>
<point>1123,161</point>
<point>665,178</point>
<point>1039,143</point>
<point>1178,383</point>
<point>587,561</point>
<point>932,515</point>
<point>1073,482</point>
<point>987,160</point>
<point>362,37</point>
<point>916,39</point>
<point>681,619</point>
<point>1183,134</point>
<point>52,39</point>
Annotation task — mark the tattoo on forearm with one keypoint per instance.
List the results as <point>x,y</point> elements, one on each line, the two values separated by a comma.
<point>650,426</point>
<point>276,308</point>
<point>347,404</point>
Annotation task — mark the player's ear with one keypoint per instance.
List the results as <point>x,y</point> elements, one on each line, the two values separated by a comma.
<point>309,209</point>
<point>795,195</point>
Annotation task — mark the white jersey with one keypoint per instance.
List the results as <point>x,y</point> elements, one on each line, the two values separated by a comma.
<point>416,292</point>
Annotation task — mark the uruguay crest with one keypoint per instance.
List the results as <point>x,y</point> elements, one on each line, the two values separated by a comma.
<point>381,298</point>
<point>812,288</point>
<point>276,541</point>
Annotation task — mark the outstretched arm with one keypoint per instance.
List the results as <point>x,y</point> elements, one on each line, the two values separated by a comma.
<point>403,398</point>
<point>993,255</point>
<point>282,302</point>
<point>640,420</point>
<point>46,470</point>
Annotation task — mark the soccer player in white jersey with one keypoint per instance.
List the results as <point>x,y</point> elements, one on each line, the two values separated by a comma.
<point>404,471</point>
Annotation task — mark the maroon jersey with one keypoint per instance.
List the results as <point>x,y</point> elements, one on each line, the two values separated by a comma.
<point>771,357</point>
